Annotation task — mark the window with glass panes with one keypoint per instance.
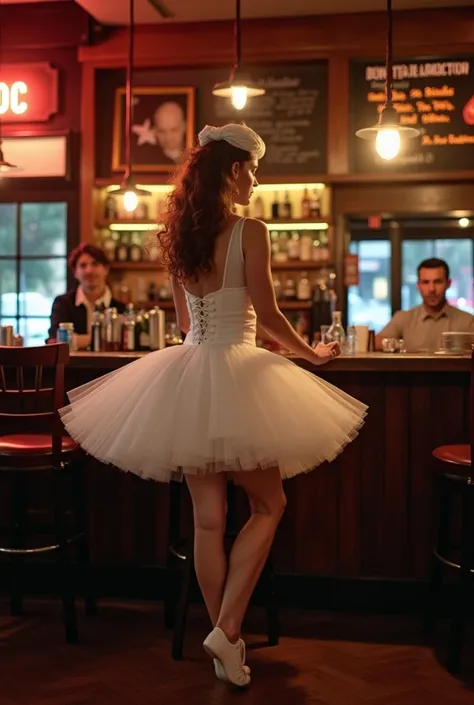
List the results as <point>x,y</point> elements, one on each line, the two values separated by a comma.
<point>33,265</point>
<point>388,263</point>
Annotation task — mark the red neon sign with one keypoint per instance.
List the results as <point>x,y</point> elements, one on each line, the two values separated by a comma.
<point>28,92</point>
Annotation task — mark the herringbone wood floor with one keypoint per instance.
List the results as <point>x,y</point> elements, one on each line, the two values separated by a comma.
<point>124,659</point>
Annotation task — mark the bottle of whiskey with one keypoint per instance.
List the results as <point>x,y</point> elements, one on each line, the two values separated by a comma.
<point>286,206</point>
<point>315,206</point>
<point>275,207</point>
<point>305,205</point>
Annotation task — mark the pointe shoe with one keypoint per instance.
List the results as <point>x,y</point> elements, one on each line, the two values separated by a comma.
<point>221,674</point>
<point>229,656</point>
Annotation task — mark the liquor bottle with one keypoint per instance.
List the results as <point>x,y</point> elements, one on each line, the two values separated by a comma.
<point>142,330</point>
<point>303,291</point>
<point>141,211</point>
<point>289,290</point>
<point>286,207</point>
<point>110,208</point>
<point>152,292</point>
<point>258,208</point>
<point>275,207</point>
<point>315,206</point>
<point>294,246</point>
<point>135,252</point>
<point>306,246</point>
<point>109,245</point>
<point>121,251</point>
<point>320,308</point>
<point>96,330</point>
<point>305,205</point>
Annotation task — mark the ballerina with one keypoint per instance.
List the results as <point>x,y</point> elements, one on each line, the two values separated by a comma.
<point>218,406</point>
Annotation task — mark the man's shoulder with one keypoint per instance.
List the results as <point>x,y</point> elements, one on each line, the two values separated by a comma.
<point>65,299</point>
<point>408,314</point>
<point>459,315</point>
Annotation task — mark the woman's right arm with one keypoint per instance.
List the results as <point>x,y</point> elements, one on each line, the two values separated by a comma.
<point>256,247</point>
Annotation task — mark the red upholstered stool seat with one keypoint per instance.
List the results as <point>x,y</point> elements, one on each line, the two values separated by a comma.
<point>28,446</point>
<point>459,454</point>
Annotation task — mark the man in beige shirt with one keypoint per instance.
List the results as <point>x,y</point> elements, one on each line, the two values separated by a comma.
<point>421,327</point>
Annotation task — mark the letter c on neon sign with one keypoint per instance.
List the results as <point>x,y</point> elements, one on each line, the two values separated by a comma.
<point>10,98</point>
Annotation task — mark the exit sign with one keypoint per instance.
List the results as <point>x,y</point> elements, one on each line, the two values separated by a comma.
<point>28,92</point>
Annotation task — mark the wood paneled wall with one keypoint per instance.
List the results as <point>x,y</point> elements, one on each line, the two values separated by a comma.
<point>336,38</point>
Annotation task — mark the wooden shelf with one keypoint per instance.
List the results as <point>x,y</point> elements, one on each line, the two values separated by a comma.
<point>157,179</point>
<point>103,223</point>
<point>294,305</point>
<point>166,305</point>
<point>291,222</point>
<point>295,221</point>
<point>284,305</point>
<point>301,264</point>
<point>134,266</point>
<point>293,264</point>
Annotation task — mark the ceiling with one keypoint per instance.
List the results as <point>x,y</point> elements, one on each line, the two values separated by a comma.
<point>22,2</point>
<point>115,12</point>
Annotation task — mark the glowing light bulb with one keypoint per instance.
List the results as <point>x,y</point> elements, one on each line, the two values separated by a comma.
<point>238,97</point>
<point>387,143</point>
<point>130,201</point>
<point>463,222</point>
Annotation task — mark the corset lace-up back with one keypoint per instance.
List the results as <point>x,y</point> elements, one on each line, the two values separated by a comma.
<point>225,316</point>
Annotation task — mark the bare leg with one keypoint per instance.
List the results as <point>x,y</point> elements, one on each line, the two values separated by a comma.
<point>208,493</point>
<point>252,545</point>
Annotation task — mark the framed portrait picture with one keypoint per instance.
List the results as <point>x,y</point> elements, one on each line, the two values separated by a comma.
<point>162,127</point>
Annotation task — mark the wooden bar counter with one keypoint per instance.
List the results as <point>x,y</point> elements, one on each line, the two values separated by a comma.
<point>367,517</point>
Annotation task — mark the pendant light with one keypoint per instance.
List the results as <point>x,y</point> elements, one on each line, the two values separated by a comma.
<point>388,133</point>
<point>239,87</point>
<point>128,189</point>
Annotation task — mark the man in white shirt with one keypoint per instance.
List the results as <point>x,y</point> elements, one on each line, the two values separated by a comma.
<point>91,268</point>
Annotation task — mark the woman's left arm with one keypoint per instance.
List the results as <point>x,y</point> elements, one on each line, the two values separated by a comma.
<point>182,315</point>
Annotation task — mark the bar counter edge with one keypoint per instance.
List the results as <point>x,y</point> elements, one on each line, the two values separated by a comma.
<point>369,362</point>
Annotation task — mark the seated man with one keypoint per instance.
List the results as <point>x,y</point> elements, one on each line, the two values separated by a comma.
<point>421,327</point>
<point>90,267</point>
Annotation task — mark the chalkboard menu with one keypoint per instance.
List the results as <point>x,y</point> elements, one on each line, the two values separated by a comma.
<point>434,95</point>
<point>291,117</point>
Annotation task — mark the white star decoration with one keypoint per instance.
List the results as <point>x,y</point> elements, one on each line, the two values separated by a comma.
<point>145,133</point>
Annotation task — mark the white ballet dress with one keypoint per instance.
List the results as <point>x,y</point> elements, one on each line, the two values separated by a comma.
<point>215,403</point>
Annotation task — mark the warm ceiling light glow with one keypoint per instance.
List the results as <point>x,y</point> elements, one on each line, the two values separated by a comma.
<point>294,225</point>
<point>126,227</point>
<point>387,143</point>
<point>463,222</point>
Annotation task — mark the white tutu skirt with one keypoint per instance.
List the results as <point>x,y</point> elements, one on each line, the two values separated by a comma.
<point>211,408</point>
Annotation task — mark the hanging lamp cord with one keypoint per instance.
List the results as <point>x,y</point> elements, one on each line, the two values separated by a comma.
<point>129,91</point>
<point>389,56</point>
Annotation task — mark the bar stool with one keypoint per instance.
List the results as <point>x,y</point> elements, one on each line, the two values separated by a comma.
<point>37,445</point>
<point>180,569</point>
<point>454,473</point>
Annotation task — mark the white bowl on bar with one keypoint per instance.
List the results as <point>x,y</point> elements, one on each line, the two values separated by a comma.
<point>456,343</point>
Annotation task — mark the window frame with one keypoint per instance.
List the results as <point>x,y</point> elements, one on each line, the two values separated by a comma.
<point>20,196</point>
<point>396,231</point>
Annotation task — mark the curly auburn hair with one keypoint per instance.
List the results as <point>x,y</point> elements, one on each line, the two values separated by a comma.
<point>198,209</point>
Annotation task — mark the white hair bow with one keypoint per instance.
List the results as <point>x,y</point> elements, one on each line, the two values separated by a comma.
<point>239,136</point>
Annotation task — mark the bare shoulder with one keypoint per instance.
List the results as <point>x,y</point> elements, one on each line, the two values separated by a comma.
<point>254,234</point>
